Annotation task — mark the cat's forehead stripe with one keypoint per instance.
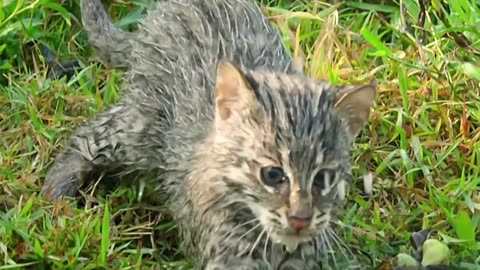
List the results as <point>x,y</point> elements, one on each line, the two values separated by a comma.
<point>302,121</point>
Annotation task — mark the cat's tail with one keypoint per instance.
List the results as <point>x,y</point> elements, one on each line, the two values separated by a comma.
<point>112,45</point>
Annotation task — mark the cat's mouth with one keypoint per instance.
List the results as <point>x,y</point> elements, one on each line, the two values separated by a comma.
<point>292,239</point>
<point>300,234</point>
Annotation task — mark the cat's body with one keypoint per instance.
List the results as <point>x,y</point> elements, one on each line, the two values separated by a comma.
<point>253,155</point>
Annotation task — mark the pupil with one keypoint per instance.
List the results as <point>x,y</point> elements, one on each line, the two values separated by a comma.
<point>272,176</point>
<point>275,175</point>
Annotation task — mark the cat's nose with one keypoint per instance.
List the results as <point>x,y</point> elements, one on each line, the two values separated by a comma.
<point>300,212</point>
<point>299,223</point>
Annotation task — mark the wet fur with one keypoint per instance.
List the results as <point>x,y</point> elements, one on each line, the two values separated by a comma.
<point>167,123</point>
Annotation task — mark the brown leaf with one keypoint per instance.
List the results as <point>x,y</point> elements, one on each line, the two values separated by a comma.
<point>21,249</point>
<point>464,149</point>
<point>385,265</point>
<point>408,130</point>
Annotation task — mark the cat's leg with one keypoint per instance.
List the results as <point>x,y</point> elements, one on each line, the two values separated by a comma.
<point>109,142</point>
<point>301,264</point>
<point>221,263</point>
<point>248,263</point>
<point>292,262</point>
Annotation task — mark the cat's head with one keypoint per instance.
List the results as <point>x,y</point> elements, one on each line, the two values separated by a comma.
<point>283,142</point>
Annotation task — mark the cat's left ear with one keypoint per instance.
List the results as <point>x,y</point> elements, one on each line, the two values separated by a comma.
<point>233,94</point>
<point>354,104</point>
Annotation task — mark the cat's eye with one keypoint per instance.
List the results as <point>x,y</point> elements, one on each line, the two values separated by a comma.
<point>272,175</point>
<point>323,179</point>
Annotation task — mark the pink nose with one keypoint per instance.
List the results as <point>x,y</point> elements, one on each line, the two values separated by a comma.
<point>299,224</point>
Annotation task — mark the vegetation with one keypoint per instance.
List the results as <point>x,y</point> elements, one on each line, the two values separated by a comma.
<point>421,148</point>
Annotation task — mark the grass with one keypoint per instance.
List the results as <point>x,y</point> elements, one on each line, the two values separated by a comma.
<point>422,145</point>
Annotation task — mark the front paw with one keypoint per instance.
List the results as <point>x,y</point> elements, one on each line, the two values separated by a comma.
<point>238,264</point>
<point>298,264</point>
<point>65,178</point>
<point>295,264</point>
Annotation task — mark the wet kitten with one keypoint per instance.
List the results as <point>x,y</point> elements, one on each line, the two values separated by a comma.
<point>253,155</point>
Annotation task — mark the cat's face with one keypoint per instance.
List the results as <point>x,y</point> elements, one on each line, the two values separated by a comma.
<point>286,142</point>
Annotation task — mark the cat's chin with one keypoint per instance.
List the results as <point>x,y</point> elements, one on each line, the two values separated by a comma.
<point>291,241</point>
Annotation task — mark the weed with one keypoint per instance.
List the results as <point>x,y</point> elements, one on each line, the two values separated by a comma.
<point>422,145</point>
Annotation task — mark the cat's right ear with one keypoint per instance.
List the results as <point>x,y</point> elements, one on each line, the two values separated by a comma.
<point>233,94</point>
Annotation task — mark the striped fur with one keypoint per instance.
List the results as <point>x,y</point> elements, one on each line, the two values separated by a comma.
<point>167,123</point>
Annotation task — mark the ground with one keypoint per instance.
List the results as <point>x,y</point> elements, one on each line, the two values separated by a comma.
<point>421,146</point>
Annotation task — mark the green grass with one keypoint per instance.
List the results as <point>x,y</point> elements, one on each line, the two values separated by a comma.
<point>422,144</point>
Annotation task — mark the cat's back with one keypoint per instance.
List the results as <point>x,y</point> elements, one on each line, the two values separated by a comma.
<point>183,40</point>
<point>175,55</point>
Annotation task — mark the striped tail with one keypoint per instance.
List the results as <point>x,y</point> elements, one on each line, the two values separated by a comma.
<point>112,45</point>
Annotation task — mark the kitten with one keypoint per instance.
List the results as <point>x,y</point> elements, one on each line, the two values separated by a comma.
<point>253,155</point>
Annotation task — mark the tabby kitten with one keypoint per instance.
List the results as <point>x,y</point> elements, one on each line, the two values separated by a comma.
<point>253,155</point>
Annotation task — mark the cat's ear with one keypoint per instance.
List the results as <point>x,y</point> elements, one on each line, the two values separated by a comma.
<point>233,94</point>
<point>354,104</point>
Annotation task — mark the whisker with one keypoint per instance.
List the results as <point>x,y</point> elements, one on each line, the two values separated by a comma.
<point>327,241</point>
<point>234,229</point>
<point>249,231</point>
<point>339,243</point>
<point>245,223</point>
<point>256,242</point>
<point>355,251</point>
<point>265,246</point>
<point>321,245</point>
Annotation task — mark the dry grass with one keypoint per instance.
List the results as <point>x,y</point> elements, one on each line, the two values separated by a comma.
<point>422,144</point>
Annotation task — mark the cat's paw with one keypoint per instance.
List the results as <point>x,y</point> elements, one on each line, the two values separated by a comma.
<point>293,264</point>
<point>297,264</point>
<point>238,264</point>
<point>65,178</point>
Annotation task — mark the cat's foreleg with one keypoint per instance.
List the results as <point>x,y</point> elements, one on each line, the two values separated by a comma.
<point>105,143</point>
